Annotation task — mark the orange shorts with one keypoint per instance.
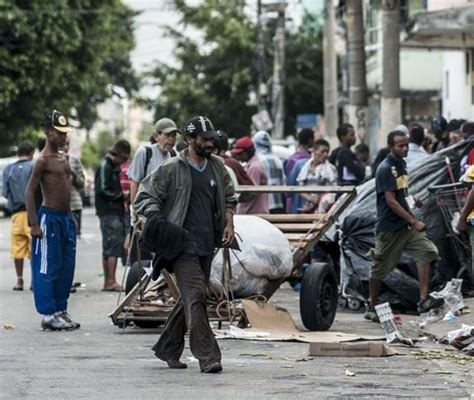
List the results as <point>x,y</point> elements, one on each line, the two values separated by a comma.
<point>20,245</point>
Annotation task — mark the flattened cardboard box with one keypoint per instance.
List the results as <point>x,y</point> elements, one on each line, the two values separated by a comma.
<point>354,349</point>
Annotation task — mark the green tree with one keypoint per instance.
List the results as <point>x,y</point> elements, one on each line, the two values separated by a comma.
<point>213,79</point>
<point>304,72</point>
<point>93,152</point>
<point>217,77</point>
<point>64,54</point>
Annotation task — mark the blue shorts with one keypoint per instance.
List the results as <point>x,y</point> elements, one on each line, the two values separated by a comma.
<point>53,260</point>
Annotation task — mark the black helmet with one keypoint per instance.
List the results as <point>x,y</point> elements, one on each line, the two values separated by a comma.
<point>438,125</point>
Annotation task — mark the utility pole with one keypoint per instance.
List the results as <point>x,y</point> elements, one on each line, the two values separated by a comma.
<point>278,81</point>
<point>330,73</point>
<point>391,102</point>
<point>261,85</point>
<point>357,110</point>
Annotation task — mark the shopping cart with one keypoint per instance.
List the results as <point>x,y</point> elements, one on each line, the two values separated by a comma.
<point>450,199</point>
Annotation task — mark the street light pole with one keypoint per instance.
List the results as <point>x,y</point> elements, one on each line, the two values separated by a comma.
<point>278,82</point>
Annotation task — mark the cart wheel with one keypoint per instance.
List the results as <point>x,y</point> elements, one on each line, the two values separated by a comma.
<point>134,275</point>
<point>318,297</point>
<point>354,304</point>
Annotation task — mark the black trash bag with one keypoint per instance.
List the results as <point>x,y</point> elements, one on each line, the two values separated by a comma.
<point>356,233</point>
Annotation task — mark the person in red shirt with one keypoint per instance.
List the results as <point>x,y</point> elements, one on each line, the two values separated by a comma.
<point>244,151</point>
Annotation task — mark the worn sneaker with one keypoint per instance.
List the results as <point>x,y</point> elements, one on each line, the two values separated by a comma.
<point>55,322</point>
<point>66,317</point>
<point>430,303</point>
<point>371,315</point>
<point>213,368</point>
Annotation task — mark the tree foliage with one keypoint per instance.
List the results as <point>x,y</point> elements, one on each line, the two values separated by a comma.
<point>216,72</point>
<point>64,54</point>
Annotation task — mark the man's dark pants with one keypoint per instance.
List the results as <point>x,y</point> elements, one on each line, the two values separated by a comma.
<point>192,275</point>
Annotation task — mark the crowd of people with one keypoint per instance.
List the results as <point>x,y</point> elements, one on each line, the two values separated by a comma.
<point>186,193</point>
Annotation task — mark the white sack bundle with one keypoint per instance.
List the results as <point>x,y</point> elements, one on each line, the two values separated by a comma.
<point>265,255</point>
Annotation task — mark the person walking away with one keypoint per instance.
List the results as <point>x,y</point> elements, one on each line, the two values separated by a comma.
<point>303,152</point>
<point>349,170</point>
<point>15,181</point>
<point>244,151</point>
<point>396,228</point>
<point>273,169</point>
<point>466,219</point>
<point>109,204</point>
<point>52,227</point>
<point>415,147</point>
<point>192,192</point>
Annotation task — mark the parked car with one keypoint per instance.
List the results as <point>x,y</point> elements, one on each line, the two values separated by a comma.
<point>4,162</point>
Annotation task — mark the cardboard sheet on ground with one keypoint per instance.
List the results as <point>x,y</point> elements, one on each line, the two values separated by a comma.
<point>270,322</point>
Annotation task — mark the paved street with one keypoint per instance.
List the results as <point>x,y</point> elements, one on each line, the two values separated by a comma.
<point>99,361</point>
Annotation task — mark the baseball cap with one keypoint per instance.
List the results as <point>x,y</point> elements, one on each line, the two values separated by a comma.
<point>438,124</point>
<point>166,125</point>
<point>56,120</point>
<point>201,126</point>
<point>402,128</point>
<point>242,144</point>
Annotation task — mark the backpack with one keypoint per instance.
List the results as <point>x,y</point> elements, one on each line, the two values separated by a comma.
<point>148,154</point>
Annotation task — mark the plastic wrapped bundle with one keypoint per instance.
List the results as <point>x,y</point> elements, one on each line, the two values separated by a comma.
<point>265,255</point>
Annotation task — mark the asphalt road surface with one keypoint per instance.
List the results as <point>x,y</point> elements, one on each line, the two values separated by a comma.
<point>100,361</point>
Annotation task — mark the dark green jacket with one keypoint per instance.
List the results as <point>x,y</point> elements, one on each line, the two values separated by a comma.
<point>108,193</point>
<point>167,191</point>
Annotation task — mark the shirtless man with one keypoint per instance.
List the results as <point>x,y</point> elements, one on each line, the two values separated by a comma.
<point>52,228</point>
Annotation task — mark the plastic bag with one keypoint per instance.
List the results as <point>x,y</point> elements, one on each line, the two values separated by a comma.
<point>461,338</point>
<point>451,294</point>
<point>265,255</point>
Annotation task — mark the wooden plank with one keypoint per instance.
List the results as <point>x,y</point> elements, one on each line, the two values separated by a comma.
<point>295,227</point>
<point>300,237</point>
<point>294,189</point>
<point>290,218</point>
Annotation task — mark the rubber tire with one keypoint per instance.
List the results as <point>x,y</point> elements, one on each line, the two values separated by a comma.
<point>134,275</point>
<point>318,297</point>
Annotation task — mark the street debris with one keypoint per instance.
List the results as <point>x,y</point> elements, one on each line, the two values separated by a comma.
<point>351,349</point>
<point>462,339</point>
<point>445,356</point>
<point>452,296</point>
<point>8,326</point>
<point>392,334</point>
<point>350,373</point>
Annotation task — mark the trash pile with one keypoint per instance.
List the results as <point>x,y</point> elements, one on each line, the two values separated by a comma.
<point>265,255</point>
<point>356,230</point>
